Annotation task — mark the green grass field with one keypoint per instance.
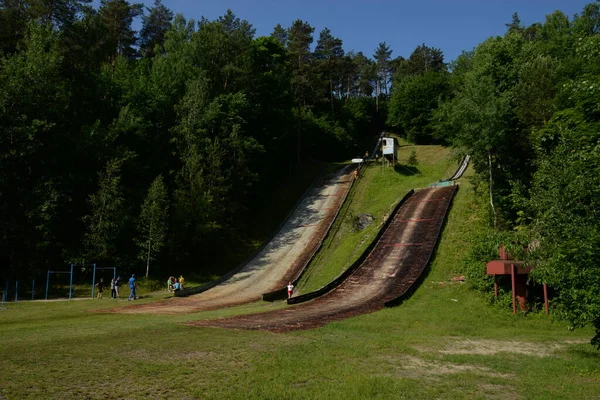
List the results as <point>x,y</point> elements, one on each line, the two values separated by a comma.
<point>444,342</point>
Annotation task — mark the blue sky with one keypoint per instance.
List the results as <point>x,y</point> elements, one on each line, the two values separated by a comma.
<point>450,25</point>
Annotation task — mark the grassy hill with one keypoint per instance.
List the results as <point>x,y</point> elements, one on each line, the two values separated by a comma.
<point>444,342</point>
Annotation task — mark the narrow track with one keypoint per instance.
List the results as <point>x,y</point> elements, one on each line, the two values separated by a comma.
<point>280,261</point>
<point>396,262</point>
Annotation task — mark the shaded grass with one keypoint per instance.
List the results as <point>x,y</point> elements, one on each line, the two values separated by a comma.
<point>60,350</point>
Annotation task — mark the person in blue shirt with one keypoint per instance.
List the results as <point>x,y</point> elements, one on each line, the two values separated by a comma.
<point>177,286</point>
<point>132,287</point>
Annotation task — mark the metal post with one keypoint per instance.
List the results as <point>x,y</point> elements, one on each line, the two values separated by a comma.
<point>16,290</point>
<point>33,289</point>
<point>93,280</point>
<point>71,284</point>
<point>114,272</point>
<point>512,277</point>
<point>47,281</point>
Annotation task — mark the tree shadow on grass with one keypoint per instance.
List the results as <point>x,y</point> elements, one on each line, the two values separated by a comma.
<point>406,170</point>
<point>585,351</point>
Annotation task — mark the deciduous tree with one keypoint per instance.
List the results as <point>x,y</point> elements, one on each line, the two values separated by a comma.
<point>153,220</point>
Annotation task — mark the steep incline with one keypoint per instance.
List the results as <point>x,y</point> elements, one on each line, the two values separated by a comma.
<point>396,262</point>
<point>280,261</point>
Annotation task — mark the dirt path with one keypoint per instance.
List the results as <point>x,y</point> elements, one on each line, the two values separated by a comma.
<point>280,261</point>
<point>396,262</point>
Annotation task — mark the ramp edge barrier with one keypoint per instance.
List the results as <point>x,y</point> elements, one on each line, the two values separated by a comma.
<point>344,275</point>
<point>461,170</point>
<point>218,281</point>
<point>399,299</point>
<point>281,294</point>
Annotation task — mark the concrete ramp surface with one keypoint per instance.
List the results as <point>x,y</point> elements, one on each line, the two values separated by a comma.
<point>280,261</point>
<point>395,263</point>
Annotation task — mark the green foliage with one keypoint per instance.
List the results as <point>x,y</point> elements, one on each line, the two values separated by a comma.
<point>117,17</point>
<point>153,220</point>
<point>412,103</point>
<point>106,218</point>
<point>565,203</point>
<point>32,185</point>
<point>154,27</point>
<point>484,247</point>
<point>382,57</point>
<point>525,107</point>
<point>423,59</point>
<point>412,158</point>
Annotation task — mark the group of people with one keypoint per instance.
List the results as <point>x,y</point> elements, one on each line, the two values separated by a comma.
<point>175,284</point>
<point>114,287</point>
<point>115,283</point>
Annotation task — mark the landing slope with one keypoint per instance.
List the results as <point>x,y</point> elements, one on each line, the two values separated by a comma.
<point>280,261</point>
<point>392,267</point>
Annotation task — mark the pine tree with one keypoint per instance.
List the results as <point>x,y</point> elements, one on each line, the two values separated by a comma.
<point>154,27</point>
<point>515,24</point>
<point>299,41</point>
<point>280,34</point>
<point>152,226</point>
<point>117,17</point>
<point>330,52</point>
<point>382,58</point>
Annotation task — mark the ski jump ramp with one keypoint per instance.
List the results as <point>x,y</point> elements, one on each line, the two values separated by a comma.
<point>395,262</point>
<point>282,259</point>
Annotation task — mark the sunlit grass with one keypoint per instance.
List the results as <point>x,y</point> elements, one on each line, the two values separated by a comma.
<point>376,193</point>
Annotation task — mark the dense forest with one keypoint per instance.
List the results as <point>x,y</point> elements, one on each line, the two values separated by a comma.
<point>150,148</point>
<point>526,107</point>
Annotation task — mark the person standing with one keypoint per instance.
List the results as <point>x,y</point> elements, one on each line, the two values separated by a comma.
<point>132,287</point>
<point>100,287</point>
<point>290,288</point>
<point>112,289</point>
<point>117,284</point>
<point>181,280</point>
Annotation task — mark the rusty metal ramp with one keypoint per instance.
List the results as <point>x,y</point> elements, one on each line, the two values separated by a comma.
<point>387,272</point>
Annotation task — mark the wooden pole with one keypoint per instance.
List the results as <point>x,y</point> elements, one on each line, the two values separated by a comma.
<point>495,286</point>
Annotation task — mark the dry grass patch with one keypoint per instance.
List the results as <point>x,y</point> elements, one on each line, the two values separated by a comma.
<point>492,347</point>
<point>411,367</point>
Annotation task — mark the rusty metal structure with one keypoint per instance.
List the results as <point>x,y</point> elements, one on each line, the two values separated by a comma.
<point>518,271</point>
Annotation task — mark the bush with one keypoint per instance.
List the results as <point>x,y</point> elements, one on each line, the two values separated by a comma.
<point>412,158</point>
